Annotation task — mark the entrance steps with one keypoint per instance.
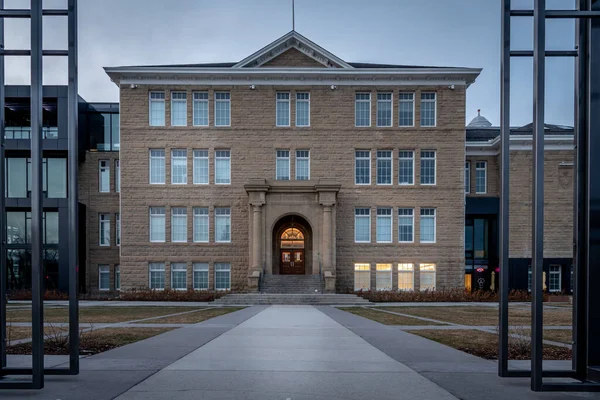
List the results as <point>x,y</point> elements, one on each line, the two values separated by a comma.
<point>291,299</point>
<point>292,284</point>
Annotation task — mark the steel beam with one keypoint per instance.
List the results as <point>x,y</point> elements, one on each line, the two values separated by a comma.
<point>558,14</point>
<point>3,271</point>
<point>16,13</point>
<point>25,53</point>
<point>549,53</point>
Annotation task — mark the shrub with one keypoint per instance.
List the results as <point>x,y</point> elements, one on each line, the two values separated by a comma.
<point>170,295</point>
<point>25,294</point>
<point>443,295</point>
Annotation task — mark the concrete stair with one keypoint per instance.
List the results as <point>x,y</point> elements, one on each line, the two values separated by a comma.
<point>292,284</point>
<point>291,299</point>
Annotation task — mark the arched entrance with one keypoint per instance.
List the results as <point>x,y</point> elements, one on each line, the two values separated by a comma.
<point>292,242</point>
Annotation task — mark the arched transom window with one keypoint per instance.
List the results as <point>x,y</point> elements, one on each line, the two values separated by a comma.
<point>292,238</point>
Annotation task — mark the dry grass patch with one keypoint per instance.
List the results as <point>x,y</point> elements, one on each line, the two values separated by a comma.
<point>194,317</point>
<point>385,318</point>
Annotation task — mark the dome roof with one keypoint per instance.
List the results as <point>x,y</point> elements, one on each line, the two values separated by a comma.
<point>479,121</point>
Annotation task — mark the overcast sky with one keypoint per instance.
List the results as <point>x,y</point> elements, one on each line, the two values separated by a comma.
<point>464,33</point>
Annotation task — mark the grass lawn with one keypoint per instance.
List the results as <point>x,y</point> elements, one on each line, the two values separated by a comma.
<point>195,317</point>
<point>561,336</point>
<point>385,318</point>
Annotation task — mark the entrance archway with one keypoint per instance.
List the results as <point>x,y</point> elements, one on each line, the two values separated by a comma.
<point>292,246</point>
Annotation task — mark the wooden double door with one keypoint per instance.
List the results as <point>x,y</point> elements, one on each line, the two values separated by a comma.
<point>292,262</point>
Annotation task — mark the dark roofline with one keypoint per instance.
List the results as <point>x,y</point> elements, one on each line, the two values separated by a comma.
<point>231,64</point>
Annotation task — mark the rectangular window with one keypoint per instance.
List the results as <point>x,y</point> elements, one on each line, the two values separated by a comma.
<point>200,108</point>
<point>406,225</point>
<point>104,229</point>
<point>200,167</point>
<point>223,225</point>
<point>178,276</point>
<point>118,277</point>
<point>178,167</point>
<point>481,177</point>
<point>104,176</point>
<point>201,224</point>
<point>384,225</point>
<point>222,109</point>
<point>157,109</point>
<point>362,225</point>
<point>222,276</point>
<point>117,176</point>
<point>118,228</point>
<point>157,224</point>
<point>383,276</point>
<point>54,177</point>
<point>200,276</point>
<point>554,278</point>
<point>302,165</point>
<point>303,109</point>
<point>406,276</point>
<point>362,276</point>
<point>157,276</point>
<point>178,224</point>
<point>178,109</point>
<point>384,109</point>
<point>157,167</point>
<point>467,177</point>
<point>427,275</point>
<point>406,167</point>
<point>384,167</point>
<point>222,167</point>
<point>103,277</point>
<point>362,109</point>
<point>282,165</point>
<point>428,109</point>
<point>406,109</point>
<point>427,225</point>
<point>18,227</point>
<point>282,109</point>
<point>362,167</point>
<point>428,167</point>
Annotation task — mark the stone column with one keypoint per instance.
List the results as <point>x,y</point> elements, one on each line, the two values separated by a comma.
<point>326,241</point>
<point>257,237</point>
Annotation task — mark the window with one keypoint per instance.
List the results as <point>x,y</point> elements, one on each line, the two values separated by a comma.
<point>157,276</point>
<point>19,176</point>
<point>362,109</point>
<point>282,109</point>
<point>406,109</point>
<point>178,276</point>
<point>362,277</point>
<point>427,225</point>
<point>117,176</point>
<point>201,224</point>
<point>555,278</point>
<point>384,225</point>
<point>200,109</point>
<point>222,225</point>
<point>200,167</point>
<point>428,167</point>
<point>303,109</point>
<point>104,176</point>
<point>118,228</point>
<point>362,225</point>
<point>529,278</point>
<point>302,165</point>
<point>200,276</point>
<point>178,224</point>
<point>384,167</point>
<point>362,163</point>
<point>384,109</point>
<point>222,276</point>
<point>406,276</point>
<point>282,165</point>
<point>103,277</point>
<point>104,131</point>
<point>427,276</point>
<point>406,167</point>
<point>157,109</point>
<point>405,225</point>
<point>383,276</point>
<point>222,109</point>
<point>157,224</point>
<point>428,109</point>
<point>104,229</point>
<point>18,227</point>
<point>481,177</point>
<point>222,167</point>
<point>118,277</point>
<point>157,167</point>
<point>467,177</point>
<point>178,109</point>
<point>179,167</point>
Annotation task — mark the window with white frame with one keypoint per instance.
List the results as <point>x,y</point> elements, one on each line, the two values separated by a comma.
<point>428,109</point>
<point>383,276</point>
<point>384,109</point>
<point>427,276</point>
<point>362,276</point>
<point>406,167</point>
<point>178,109</point>
<point>118,228</point>
<point>222,276</point>
<point>200,108</point>
<point>104,176</point>
<point>179,166</point>
<point>157,224</point>
<point>178,276</point>
<point>157,166</point>
<point>428,161</point>
<point>427,225</point>
<point>178,224</point>
<point>481,177</point>
<point>201,224</point>
<point>223,225</point>
<point>282,165</point>
<point>222,109</point>
<point>200,276</point>
<point>406,225</point>
<point>157,109</point>
<point>362,225</point>
<point>104,229</point>
<point>384,167</point>
<point>362,109</point>
<point>406,276</point>
<point>222,167</point>
<point>406,109</point>
<point>282,109</point>
<point>157,276</point>
<point>200,167</point>
<point>555,278</point>
<point>302,109</point>
<point>117,176</point>
<point>302,165</point>
<point>362,167</point>
<point>467,177</point>
<point>384,225</point>
<point>118,277</point>
<point>103,277</point>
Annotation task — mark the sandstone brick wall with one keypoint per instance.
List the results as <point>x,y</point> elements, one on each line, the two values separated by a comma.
<point>293,58</point>
<point>493,175</point>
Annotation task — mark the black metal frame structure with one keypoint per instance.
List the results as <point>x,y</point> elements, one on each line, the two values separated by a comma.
<point>586,324</point>
<point>37,372</point>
